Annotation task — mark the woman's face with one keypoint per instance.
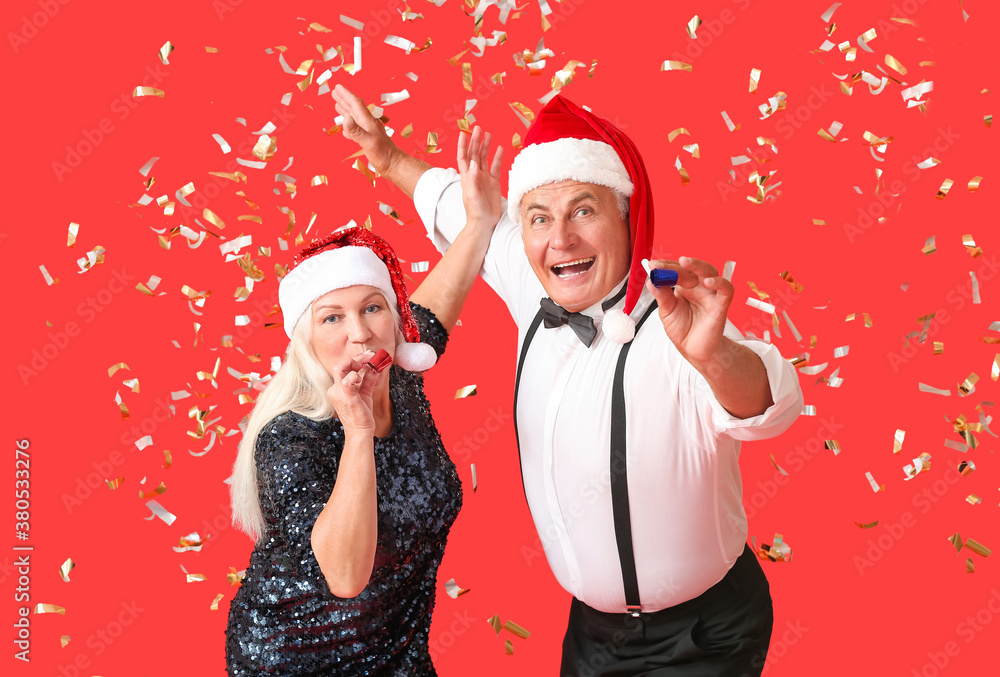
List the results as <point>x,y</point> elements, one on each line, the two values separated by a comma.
<point>347,322</point>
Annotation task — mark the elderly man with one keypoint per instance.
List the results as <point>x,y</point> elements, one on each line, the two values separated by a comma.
<point>629,430</point>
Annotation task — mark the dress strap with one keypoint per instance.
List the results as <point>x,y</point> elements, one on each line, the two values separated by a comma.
<point>619,478</point>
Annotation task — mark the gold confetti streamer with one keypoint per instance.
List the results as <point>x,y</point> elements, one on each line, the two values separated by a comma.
<point>168,460</point>
<point>115,483</point>
<point>974,184</point>
<point>778,552</point>
<point>453,589</point>
<point>973,499</point>
<point>995,369</point>
<point>73,231</point>
<point>319,179</point>
<point>977,548</point>
<point>42,608</point>
<point>970,568</point>
<point>63,641</point>
<point>893,62</point>
<point>692,26</point>
<point>670,65</point>
<point>494,622</point>
<point>465,391</point>
<point>235,577</point>
<point>778,467</point>
<point>968,386</point>
<point>516,630</point>
<point>966,467</point>
<point>265,147</point>
<point>165,52</point>
<point>147,91</point>
<point>509,645</point>
<point>432,143</point>
<point>66,567</point>
<point>213,218</point>
<point>939,347</point>
<point>677,132</point>
<point>945,187</point>
<point>467,76</point>
<point>754,79</point>
<point>196,578</point>
<point>115,367</point>
<point>796,287</point>
<point>956,541</point>
<point>832,445</point>
<point>866,525</point>
<point>215,602</point>
<point>929,246</point>
<point>153,492</point>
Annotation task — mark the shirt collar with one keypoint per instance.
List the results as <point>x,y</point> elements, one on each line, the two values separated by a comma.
<point>614,298</point>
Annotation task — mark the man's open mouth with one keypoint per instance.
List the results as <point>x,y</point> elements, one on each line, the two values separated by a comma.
<point>573,268</point>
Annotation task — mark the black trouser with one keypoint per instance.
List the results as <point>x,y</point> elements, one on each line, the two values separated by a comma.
<point>724,632</point>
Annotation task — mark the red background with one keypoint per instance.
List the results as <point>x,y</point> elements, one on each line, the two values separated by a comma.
<point>907,613</point>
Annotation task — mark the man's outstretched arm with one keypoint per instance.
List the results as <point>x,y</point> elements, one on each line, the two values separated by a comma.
<point>385,156</point>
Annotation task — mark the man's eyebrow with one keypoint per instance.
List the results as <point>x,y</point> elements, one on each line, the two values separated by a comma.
<point>583,196</point>
<point>575,199</point>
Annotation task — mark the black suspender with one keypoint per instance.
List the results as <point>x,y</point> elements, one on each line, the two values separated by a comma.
<point>532,328</point>
<point>619,478</point>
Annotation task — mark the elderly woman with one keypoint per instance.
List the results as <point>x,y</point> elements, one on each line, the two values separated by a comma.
<point>341,476</point>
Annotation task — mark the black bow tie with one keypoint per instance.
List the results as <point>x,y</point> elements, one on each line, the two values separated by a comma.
<point>556,316</point>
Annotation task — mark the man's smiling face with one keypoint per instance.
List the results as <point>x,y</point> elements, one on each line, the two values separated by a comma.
<point>576,241</point>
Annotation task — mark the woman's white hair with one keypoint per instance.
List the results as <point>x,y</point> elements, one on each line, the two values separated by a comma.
<point>299,385</point>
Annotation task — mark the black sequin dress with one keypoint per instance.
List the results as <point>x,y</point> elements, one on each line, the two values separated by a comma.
<point>284,620</point>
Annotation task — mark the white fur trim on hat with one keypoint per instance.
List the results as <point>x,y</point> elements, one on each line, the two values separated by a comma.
<point>565,159</point>
<point>329,270</point>
<point>618,327</point>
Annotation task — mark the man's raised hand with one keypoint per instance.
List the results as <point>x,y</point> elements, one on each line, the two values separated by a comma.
<point>480,188</point>
<point>693,312</point>
<point>362,128</point>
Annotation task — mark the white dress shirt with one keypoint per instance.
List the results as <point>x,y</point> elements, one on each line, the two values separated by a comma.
<point>684,485</point>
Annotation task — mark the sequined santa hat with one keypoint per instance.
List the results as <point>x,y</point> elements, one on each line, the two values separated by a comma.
<point>569,143</point>
<point>348,257</point>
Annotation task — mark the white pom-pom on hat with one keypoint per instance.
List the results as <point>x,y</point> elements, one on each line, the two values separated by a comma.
<point>618,326</point>
<point>415,356</point>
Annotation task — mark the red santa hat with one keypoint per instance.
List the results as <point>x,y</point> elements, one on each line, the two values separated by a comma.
<point>349,257</point>
<point>569,143</point>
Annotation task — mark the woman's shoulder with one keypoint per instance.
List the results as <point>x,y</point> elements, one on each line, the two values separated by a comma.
<point>290,426</point>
